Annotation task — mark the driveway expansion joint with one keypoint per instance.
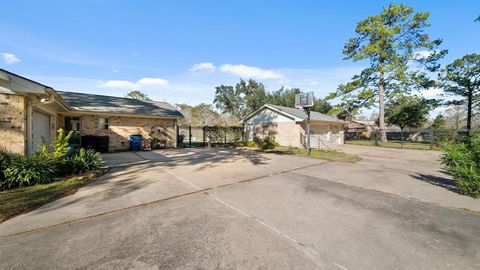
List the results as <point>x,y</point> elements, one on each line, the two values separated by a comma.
<point>69,222</point>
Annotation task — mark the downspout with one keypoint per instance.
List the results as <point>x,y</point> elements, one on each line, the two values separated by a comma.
<point>28,119</point>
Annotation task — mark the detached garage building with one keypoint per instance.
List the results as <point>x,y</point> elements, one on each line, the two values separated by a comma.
<point>31,113</point>
<point>288,126</point>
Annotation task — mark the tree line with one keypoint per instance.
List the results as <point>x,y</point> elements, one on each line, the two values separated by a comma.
<point>403,60</point>
<point>247,96</point>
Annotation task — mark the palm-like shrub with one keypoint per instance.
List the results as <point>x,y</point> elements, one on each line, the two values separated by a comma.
<point>462,161</point>
<point>86,160</point>
<point>29,170</point>
<point>59,149</point>
<point>4,161</point>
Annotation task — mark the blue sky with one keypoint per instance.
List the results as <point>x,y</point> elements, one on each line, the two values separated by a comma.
<point>178,51</point>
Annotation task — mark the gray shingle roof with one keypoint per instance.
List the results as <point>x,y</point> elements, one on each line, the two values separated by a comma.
<point>117,105</point>
<point>314,116</point>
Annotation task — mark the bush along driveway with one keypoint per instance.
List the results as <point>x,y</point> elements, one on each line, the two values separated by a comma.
<point>462,161</point>
<point>30,181</point>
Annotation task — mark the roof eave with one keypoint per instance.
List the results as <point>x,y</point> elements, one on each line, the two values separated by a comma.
<point>324,121</point>
<point>77,111</point>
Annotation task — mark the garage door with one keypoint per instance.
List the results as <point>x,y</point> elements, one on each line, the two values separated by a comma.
<point>40,129</point>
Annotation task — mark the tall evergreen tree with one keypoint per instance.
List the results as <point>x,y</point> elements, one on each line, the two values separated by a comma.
<point>391,41</point>
<point>462,78</point>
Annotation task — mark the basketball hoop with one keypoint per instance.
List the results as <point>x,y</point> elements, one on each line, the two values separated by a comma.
<point>304,100</point>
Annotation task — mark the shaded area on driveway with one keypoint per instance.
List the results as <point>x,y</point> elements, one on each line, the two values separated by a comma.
<point>440,181</point>
<point>185,156</point>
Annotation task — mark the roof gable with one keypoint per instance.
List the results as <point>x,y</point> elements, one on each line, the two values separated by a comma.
<point>11,83</point>
<point>297,114</point>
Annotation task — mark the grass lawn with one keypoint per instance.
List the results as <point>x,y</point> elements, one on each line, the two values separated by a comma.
<point>393,144</point>
<point>19,200</point>
<point>323,154</point>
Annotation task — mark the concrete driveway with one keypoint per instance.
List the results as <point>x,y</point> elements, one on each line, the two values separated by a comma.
<point>228,208</point>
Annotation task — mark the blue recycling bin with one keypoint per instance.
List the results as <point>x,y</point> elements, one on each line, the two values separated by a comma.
<point>136,142</point>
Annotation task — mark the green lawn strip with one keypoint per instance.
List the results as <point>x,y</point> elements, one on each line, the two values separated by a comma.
<point>329,155</point>
<point>322,154</point>
<point>393,144</point>
<point>20,200</point>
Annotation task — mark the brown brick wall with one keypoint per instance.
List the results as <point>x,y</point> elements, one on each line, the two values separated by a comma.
<point>327,130</point>
<point>286,134</point>
<point>120,129</point>
<point>12,124</point>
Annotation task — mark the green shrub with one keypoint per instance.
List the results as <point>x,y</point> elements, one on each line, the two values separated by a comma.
<point>29,170</point>
<point>251,144</point>
<point>59,150</point>
<point>462,161</point>
<point>269,143</point>
<point>265,144</point>
<point>442,137</point>
<point>4,162</point>
<point>86,160</point>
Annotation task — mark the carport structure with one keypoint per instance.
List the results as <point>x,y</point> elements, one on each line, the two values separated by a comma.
<point>229,208</point>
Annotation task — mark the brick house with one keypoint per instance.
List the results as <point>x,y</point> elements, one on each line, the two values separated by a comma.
<point>288,126</point>
<point>31,113</point>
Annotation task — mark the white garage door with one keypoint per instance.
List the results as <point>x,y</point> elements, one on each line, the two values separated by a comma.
<point>40,129</point>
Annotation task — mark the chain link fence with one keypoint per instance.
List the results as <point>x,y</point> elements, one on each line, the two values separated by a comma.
<point>425,138</point>
<point>189,136</point>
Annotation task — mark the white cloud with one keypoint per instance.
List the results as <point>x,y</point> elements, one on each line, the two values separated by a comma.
<point>123,84</point>
<point>9,58</point>
<point>432,93</point>
<point>206,66</point>
<point>200,87</point>
<point>117,84</point>
<point>250,72</point>
<point>152,82</point>
<point>422,54</point>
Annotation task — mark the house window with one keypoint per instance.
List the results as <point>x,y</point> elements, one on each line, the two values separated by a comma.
<point>103,123</point>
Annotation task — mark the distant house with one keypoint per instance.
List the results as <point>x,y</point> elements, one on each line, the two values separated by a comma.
<point>31,112</point>
<point>361,126</point>
<point>288,126</point>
